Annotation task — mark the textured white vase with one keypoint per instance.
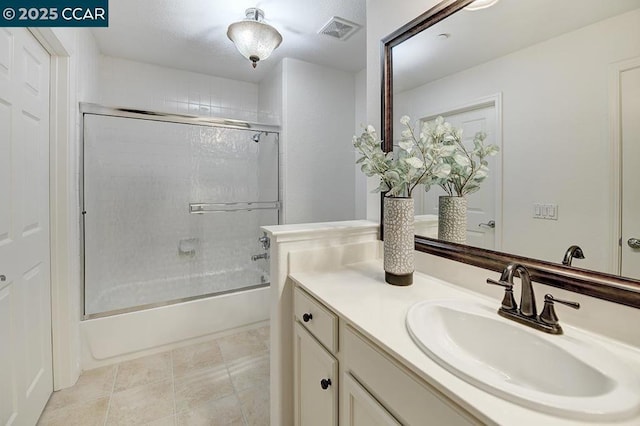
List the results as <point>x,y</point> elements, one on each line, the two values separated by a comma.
<point>452,219</point>
<point>399,243</point>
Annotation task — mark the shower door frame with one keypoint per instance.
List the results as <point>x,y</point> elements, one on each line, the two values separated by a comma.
<point>96,109</point>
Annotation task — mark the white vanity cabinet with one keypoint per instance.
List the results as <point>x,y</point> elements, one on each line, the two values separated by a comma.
<point>406,397</point>
<point>315,365</point>
<point>358,376</point>
<point>360,408</point>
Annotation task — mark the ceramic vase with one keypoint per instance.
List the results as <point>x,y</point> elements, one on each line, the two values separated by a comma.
<point>399,243</point>
<point>452,219</point>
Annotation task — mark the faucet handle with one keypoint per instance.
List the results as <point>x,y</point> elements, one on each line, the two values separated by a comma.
<point>501,283</point>
<point>508,301</point>
<point>548,315</point>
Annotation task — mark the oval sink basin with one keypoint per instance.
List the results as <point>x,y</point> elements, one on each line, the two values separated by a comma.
<point>560,375</point>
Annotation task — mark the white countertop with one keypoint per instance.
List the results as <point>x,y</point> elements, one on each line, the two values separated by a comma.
<point>358,294</point>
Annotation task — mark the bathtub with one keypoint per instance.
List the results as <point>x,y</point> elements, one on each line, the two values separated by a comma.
<point>117,338</point>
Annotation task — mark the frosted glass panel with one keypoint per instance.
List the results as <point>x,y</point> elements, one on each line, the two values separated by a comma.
<point>142,246</point>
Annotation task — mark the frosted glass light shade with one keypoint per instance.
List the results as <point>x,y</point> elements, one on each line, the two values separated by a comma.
<point>254,40</point>
<point>481,4</point>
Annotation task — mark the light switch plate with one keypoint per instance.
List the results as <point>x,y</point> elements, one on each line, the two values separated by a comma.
<point>545,211</point>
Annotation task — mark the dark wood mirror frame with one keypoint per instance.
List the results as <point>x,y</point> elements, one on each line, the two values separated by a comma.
<point>609,287</point>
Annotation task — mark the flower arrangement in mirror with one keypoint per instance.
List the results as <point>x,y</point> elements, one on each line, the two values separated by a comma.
<point>468,166</point>
<point>468,169</point>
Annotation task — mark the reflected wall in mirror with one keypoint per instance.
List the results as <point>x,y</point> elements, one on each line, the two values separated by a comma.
<point>556,84</point>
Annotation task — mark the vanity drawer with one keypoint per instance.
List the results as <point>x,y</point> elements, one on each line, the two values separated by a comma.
<point>320,321</point>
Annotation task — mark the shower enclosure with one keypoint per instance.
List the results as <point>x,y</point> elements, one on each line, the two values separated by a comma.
<point>172,206</point>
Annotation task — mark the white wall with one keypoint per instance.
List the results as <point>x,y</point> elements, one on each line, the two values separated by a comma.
<point>82,86</point>
<point>556,146</point>
<point>139,85</point>
<point>361,121</point>
<point>270,112</point>
<point>319,110</point>
<point>270,97</point>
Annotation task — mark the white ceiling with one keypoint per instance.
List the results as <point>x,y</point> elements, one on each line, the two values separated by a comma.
<point>192,34</point>
<point>479,36</point>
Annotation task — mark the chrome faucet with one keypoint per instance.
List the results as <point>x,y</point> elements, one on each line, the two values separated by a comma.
<point>265,241</point>
<point>527,314</point>
<point>571,253</point>
<point>264,255</point>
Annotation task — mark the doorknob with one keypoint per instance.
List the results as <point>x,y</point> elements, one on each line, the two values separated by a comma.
<point>490,224</point>
<point>634,243</point>
<point>3,278</point>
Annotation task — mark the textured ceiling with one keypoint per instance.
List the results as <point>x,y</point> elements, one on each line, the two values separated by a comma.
<point>192,34</point>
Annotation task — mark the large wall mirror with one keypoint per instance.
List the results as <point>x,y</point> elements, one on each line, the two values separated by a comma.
<point>556,85</point>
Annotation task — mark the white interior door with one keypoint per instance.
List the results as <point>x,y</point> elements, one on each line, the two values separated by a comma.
<point>26,380</point>
<point>630,111</point>
<point>481,208</point>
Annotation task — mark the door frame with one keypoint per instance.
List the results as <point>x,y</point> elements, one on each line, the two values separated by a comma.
<point>615,180</point>
<point>495,101</point>
<point>64,321</point>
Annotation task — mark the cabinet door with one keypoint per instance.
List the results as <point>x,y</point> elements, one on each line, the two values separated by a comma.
<point>360,408</point>
<point>315,382</point>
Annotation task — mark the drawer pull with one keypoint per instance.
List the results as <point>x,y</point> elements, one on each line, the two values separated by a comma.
<point>307,317</point>
<point>325,383</point>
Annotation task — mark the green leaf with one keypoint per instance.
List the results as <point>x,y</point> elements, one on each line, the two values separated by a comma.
<point>406,145</point>
<point>461,159</point>
<point>415,162</point>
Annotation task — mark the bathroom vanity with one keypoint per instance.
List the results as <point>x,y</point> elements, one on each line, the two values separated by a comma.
<point>341,351</point>
<point>355,362</point>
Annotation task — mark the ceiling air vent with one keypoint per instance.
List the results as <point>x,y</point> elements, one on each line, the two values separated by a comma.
<point>339,28</point>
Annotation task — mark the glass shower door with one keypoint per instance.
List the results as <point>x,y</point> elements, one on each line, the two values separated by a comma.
<point>144,241</point>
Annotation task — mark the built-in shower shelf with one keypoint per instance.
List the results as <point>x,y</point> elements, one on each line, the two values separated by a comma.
<point>201,208</point>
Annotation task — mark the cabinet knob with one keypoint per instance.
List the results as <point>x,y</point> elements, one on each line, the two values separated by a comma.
<point>325,383</point>
<point>307,317</point>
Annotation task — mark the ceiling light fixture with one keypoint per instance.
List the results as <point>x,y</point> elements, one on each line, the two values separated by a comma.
<point>253,38</point>
<point>481,4</point>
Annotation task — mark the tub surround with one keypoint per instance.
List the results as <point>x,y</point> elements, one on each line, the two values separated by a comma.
<point>117,338</point>
<point>346,275</point>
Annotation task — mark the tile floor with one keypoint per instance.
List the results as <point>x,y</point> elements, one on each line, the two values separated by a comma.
<point>221,382</point>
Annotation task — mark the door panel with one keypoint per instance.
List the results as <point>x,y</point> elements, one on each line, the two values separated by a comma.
<point>8,402</point>
<point>360,408</point>
<point>5,170</point>
<point>25,300</point>
<point>630,109</point>
<point>314,406</point>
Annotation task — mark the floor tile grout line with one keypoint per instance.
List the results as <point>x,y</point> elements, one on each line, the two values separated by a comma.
<point>235,394</point>
<point>113,386</point>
